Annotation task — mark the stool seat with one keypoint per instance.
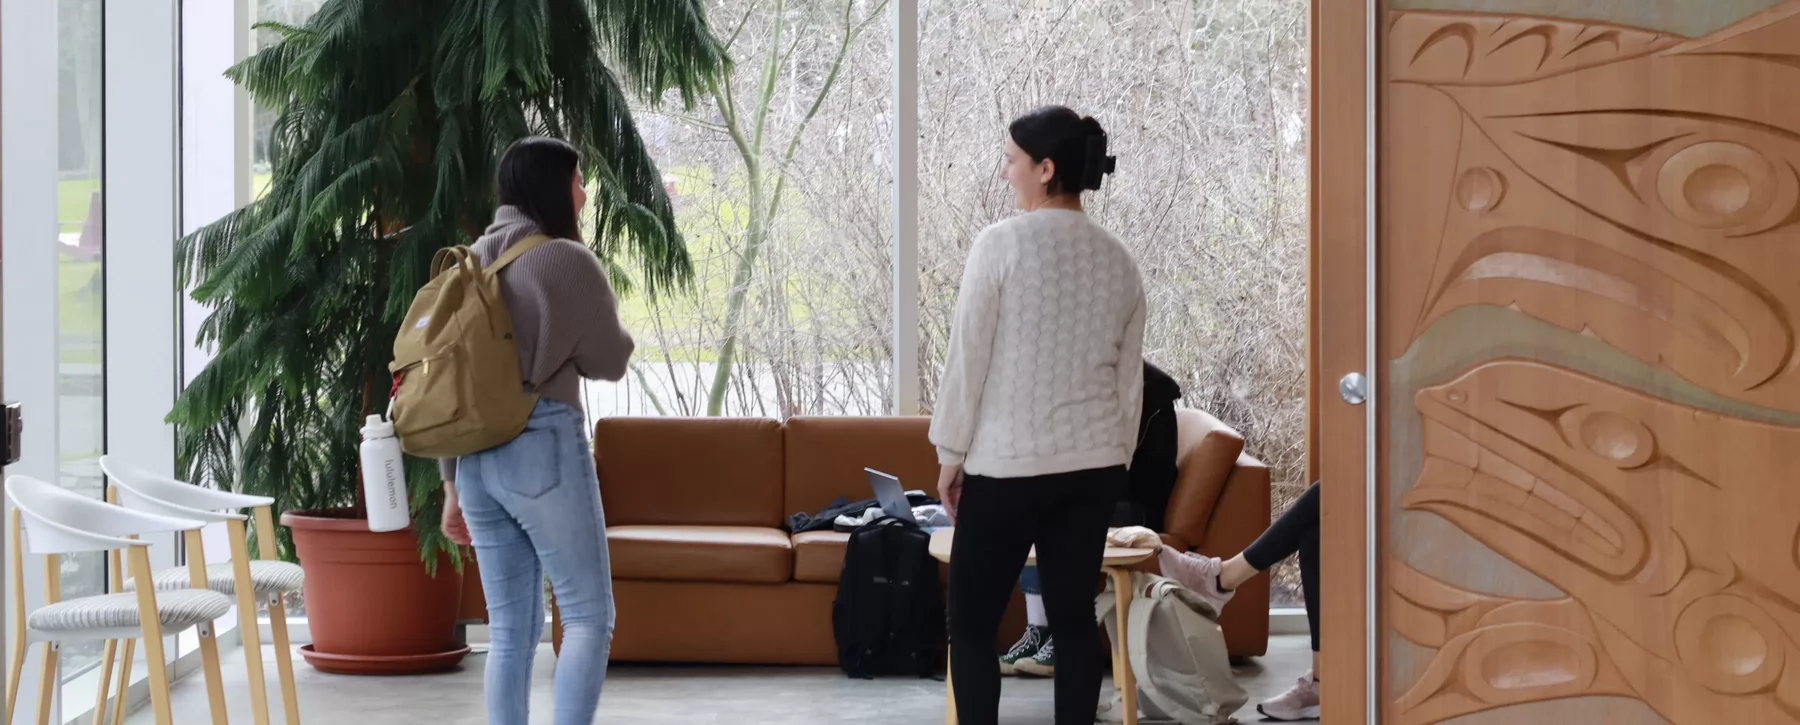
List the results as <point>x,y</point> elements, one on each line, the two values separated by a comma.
<point>177,609</point>
<point>266,577</point>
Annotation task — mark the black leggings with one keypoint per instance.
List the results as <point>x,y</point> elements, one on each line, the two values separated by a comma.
<point>1297,531</point>
<point>998,521</point>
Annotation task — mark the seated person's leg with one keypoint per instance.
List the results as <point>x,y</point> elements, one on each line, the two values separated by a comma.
<point>1301,702</point>
<point>1215,579</point>
<point>1033,651</point>
<point>1295,533</point>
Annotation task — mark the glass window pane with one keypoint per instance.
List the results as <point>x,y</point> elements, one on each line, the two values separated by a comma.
<point>789,230</point>
<point>80,314</point>
<point>292,13</point>
<point>1206,107</point>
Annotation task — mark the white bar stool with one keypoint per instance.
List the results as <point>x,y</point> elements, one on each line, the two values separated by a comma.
<point>245,579</point>
<point>56,522</point>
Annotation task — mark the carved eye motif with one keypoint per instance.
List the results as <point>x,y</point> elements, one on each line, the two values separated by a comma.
<point>1730,644</point>
<point>1676,176</point>
<point>1717,184</point>
<point>1619,439</point>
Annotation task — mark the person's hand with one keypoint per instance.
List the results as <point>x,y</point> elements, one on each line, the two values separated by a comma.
<point>950,484</point>
<point>454,525</point>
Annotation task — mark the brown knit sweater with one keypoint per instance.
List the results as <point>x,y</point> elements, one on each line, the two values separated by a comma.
<point>565,315</point>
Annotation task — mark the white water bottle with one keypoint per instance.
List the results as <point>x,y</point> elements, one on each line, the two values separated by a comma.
<point>384,476</point>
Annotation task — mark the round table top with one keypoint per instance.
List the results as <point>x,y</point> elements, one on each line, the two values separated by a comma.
<point>1115,556</point>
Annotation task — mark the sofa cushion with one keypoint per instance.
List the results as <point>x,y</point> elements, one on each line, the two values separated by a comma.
<point>690,471</point>
<point>741,554</point>
<point>1206,454</point>
<point>819,556</point>
<point>826,458</point>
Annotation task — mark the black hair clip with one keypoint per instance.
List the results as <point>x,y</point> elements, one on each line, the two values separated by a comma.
<point>1098,164</point>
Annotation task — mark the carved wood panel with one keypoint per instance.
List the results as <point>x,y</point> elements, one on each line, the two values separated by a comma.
<point>1623,426</point>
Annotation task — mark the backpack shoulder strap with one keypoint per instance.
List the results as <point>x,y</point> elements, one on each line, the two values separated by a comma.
<point>518,250</point>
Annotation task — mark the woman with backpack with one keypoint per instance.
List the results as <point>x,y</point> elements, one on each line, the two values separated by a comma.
<point>532,506</point>
<point>1038,410</point>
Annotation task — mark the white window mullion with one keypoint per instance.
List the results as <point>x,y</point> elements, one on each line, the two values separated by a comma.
<point>142,61</point>
<point>906,207</point>
<point>28,174</point>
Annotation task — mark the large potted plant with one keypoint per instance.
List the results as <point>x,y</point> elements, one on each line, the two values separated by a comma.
<point>391,116</point>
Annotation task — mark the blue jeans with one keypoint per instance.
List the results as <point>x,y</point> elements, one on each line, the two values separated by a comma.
<point>1029,581</point>
<point>533,506</point>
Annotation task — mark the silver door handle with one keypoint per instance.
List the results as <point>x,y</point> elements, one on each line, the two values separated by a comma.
<point>1354,388</point>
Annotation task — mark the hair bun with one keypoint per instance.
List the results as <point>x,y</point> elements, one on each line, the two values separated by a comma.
<point>1092,125</point>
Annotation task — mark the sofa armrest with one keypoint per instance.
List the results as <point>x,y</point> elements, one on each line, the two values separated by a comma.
<point>1242,514</point>
<point>1207,454</point>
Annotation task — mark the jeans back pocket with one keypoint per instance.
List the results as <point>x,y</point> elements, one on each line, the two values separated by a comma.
<point>531,465</point>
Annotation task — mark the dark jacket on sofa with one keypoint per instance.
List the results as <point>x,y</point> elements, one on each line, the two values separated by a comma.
<point>1153,469</point>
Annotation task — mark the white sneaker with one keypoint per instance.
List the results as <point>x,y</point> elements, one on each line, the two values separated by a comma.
<point>1299,703</point>
<point>1197,573</point>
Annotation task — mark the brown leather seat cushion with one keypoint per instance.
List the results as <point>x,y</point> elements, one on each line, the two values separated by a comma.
<point>826,458</point>
<point>740,554</point>
<point>819,556</point>
<point>690,471</point>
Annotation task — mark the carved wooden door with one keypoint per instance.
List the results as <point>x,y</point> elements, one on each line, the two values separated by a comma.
<point>1589,431</point>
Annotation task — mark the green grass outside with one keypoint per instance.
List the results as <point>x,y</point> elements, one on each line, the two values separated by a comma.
<point>703,203</point>
<point>73,197</point>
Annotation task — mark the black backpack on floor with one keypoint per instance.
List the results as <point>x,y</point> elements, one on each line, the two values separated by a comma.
<point>889,615</point>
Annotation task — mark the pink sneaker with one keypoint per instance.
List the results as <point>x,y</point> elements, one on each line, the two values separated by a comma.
<point>1198,573</point>
<point>1299,703</point>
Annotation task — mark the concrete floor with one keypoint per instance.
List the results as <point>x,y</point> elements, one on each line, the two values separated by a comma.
<point>675,694</point>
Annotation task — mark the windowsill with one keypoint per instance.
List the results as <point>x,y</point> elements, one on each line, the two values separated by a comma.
<point>1287,620</point>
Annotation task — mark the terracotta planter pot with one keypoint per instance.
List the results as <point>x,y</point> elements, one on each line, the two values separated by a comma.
<point>370,604</point>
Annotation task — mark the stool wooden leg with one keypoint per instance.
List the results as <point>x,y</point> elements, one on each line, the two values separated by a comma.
<point>284,659</point>
<point>123,699</point>
<point>950,717</point>
<point>52,650</point>
<point>116,572</point>
<point>1122,675</point>
<point>16,672</point>
<point>246,601</point>
<point>105,688</point>
<point>199,578</point>
<point>278,629</point>
<point>47,689</point>
<point>155,658</point>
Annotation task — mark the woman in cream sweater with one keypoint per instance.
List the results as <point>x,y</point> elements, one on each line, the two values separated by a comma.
<point>1037,413</point>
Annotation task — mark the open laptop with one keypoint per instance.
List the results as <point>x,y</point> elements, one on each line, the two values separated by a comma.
<point>890,495</point>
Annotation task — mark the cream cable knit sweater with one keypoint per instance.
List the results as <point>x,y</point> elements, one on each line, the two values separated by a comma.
<point>1045,372</point>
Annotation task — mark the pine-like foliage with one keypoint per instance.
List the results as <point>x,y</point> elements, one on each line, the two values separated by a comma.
<point>392,117</point>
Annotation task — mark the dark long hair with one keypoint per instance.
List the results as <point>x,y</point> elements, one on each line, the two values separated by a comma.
<point>534,176</point>
<point>1075,142</point>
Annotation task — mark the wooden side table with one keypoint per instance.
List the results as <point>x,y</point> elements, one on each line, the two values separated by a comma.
<point>1115,565</point>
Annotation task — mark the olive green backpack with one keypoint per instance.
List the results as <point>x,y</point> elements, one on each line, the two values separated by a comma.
<point>457,387</point>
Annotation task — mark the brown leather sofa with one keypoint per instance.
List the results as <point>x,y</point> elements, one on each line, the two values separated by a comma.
<point>703,571</point>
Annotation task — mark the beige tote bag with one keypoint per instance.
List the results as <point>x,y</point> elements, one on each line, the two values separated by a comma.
<point>1177,653</point>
